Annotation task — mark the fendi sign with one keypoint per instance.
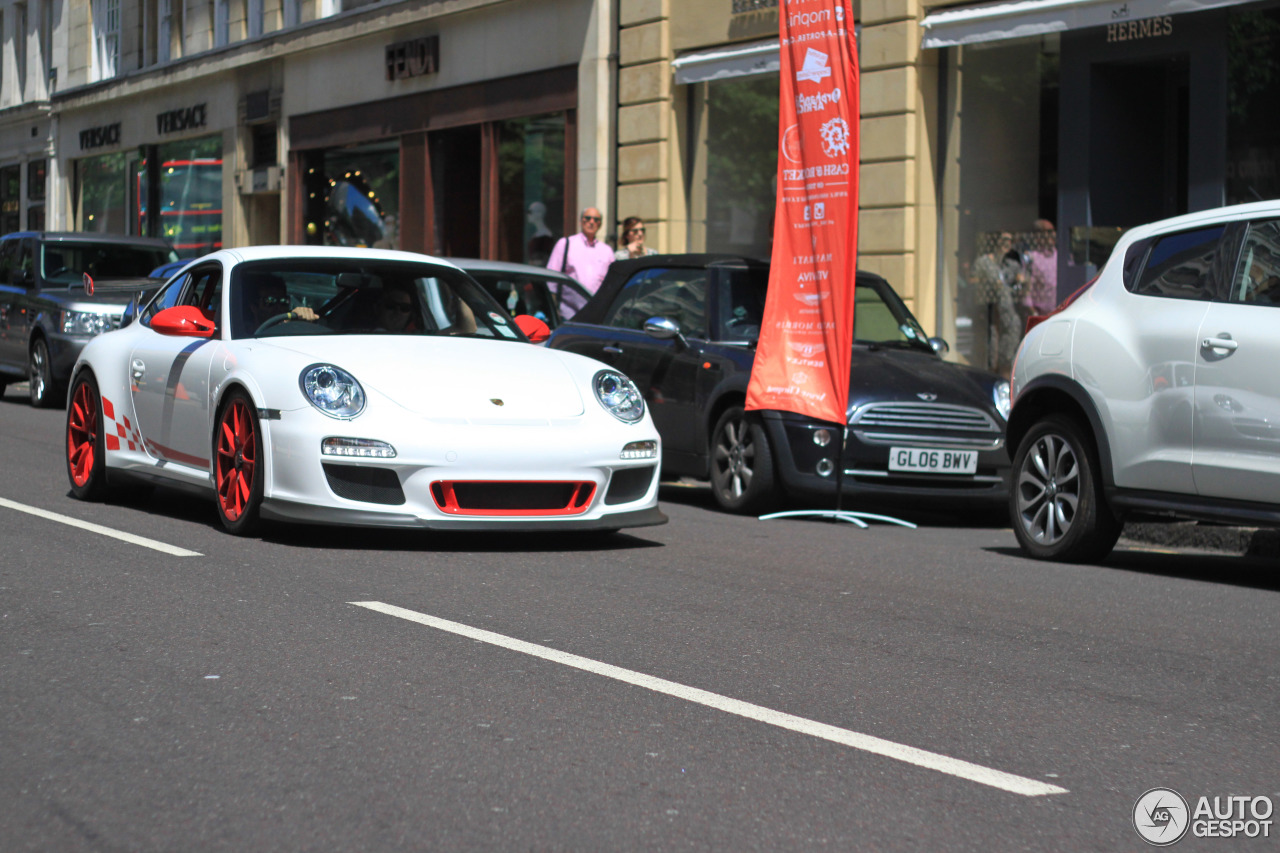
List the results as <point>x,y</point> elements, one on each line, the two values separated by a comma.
<point>413,58</point>
<point>100,137</point>
<point>174,121</point>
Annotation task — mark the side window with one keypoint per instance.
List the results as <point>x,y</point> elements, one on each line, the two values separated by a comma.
<point>205,292</point>
<point>1181,266</point>
<point>24,266</point>
<point>166,298</point>
<point>677,294</point>
<point>1257,279</point>
<point>740,306</point>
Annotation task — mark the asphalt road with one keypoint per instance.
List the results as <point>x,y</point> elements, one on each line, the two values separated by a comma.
<point>718,683</point>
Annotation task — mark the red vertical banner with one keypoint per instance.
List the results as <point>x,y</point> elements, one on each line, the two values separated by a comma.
<point>806,340</point>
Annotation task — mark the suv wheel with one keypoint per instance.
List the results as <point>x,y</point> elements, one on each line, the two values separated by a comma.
<point>1056,503</point>
<point>741,464</point>
<point>40,376</point>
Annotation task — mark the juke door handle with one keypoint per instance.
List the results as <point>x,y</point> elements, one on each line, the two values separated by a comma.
<point>612,350</point>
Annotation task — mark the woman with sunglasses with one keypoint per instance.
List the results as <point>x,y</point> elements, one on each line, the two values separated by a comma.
<point>633,240</point>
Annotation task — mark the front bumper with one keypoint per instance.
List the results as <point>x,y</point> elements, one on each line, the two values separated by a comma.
<point>866,472</point>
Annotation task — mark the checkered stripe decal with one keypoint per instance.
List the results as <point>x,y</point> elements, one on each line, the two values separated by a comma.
<point>118,431</point>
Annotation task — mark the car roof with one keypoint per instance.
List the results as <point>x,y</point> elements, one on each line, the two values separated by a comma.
<point>94,237</point>
<point>482,265</point>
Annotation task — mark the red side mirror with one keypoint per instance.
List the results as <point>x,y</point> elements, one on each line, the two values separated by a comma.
<point>184,321</point>
<point>534,329</point>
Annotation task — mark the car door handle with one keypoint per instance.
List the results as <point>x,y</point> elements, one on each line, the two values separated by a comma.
<point>613,350</point>
<point>137,368</point>
<point>1219,343</point>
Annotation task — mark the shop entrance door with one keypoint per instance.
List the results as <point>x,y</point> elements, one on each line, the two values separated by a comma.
<point>456,156</point>
<point>1138,135</point>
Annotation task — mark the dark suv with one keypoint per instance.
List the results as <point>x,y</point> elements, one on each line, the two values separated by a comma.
<point>684,328</point>
<point>45,315</point>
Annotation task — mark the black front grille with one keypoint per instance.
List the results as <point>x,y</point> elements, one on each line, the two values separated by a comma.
<point>629,484</point>
<point>365,484</point>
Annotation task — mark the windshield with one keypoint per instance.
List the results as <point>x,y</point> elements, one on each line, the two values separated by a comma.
<point>522,293</point>
<point>880,318</point>
<point>65,262</point>
<point>326,296</point>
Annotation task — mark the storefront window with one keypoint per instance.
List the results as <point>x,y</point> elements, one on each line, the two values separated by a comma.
<point>1001,258</point>
<point>362,195</point>
<point>188,177</point>
<point>36,194</point>
<point>1253,105</point>
<point>102,182</point>
<point>531,187</point>
<point>736,171</point>
<point>10,198</point>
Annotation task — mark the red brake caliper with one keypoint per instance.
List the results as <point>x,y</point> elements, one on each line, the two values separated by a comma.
<point>235,460</point>
<point>82,432</point>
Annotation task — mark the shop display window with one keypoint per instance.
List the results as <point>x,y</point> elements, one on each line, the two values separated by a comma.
<point>1253,104</point>
<point>1000,260</point>
<point>531,187</point>
<point>10,198</point>
<point>734,190</point>
<point>188,180</point>
<point>102,198</point>
<point>361,186</point>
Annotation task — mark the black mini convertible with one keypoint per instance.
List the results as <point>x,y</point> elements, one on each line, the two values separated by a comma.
<point>921,430</point>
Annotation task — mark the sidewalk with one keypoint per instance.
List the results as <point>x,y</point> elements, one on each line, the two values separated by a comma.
<point>1253,541</point>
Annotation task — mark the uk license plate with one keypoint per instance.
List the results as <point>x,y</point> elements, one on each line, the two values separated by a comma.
<point>925,460</point>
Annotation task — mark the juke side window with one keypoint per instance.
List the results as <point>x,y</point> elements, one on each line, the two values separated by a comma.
<point>1182,265</point>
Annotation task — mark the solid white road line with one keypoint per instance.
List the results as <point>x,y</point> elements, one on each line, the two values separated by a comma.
<point>867,743</point>
<point>99,529</point>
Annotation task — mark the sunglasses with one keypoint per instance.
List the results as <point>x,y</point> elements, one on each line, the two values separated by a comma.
<point>273,301</point>
<point>400,307</point>
<point>591,219</point>
<point>635,230</point>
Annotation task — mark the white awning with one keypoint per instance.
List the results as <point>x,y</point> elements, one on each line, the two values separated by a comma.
<point>995,21</point>
<point>721,63</point>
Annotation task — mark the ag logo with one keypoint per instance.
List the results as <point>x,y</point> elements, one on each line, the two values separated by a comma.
<point>1161,816</point>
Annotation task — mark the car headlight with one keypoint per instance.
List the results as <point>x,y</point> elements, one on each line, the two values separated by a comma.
<point>332,390</point>
<point>619,396</point>
<point>1000,395</point>
<point>87,322</point>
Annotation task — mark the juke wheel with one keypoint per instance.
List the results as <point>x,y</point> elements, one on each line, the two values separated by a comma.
<point>86,445</point>
<point>1056,503</point>
<point>238,471</point>
<point>741,464</point>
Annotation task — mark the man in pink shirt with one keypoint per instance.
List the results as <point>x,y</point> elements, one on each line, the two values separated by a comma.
<point>583,258</point>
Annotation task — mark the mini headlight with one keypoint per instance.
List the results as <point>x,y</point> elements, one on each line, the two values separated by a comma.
<point>332,390</point>
<point>1000,394</point>
<point>619,396</point>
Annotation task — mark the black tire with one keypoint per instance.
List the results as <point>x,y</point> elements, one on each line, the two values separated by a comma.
<point>1056,503</point>
<point>42,390</point>
<point>238,464</point>
<point>85,444</point>
<point>741,464</point>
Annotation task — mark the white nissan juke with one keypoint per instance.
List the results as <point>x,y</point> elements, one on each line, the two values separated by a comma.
<point>361,387</point>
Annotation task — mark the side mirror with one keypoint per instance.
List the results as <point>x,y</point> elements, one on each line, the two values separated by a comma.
<point>534,329</point>
<point>940,346</point>
<point>183,321</point>
<point>662,329</point>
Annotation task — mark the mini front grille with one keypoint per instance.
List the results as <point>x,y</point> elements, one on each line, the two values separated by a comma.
<point>364,483</point>
<point>935,423</point>
<point>497,497</point>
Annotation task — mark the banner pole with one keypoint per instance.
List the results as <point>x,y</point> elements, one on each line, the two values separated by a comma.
<point>844,433</point>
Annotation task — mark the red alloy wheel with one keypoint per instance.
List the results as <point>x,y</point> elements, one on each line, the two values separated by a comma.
<point>82,434</point>
<point>237,459</point>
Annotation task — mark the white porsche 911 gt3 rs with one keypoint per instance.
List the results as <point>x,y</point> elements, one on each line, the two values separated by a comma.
<point>357,386</point>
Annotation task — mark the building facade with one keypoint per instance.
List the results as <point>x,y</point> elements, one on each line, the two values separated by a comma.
<point>428,125</point>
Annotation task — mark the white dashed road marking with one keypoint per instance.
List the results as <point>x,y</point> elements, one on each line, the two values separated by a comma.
<point>867,743</point>
<point>102,531</point>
